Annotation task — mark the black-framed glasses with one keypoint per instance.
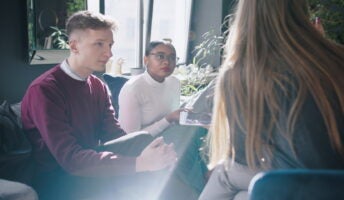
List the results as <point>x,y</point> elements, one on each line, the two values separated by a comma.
<point>161,57</point>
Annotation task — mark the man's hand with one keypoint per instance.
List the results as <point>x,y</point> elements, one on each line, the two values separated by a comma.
<point>157,155</point>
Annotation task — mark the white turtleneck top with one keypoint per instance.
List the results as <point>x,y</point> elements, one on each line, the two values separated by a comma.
<point>144,103</point>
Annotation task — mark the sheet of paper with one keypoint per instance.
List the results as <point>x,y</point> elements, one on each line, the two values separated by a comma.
<point>194,119</point>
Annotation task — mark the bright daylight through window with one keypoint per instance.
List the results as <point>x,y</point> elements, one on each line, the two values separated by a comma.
<point>170,20</point>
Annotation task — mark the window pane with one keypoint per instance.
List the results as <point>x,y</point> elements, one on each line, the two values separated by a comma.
<point>126,13</point>
<point>93,5</point>
<point>171,19</point>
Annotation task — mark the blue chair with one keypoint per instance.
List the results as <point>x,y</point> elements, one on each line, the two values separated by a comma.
<point>115,83</point>
<point>298,184</point>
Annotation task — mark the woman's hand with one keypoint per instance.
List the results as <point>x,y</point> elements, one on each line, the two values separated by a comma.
<point>156,156</point>
<point>173,117</point>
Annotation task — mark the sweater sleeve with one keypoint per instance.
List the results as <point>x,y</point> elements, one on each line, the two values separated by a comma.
<point>46,113</point>
<point>157,127</point>
<point>111,128</point>
<point>176,94</point>
<point>130,115</point>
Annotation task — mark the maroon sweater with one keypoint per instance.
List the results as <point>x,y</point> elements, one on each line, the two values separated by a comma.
<point>65,120</point>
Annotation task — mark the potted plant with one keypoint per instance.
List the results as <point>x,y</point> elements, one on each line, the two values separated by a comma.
<point>59,38</point>
<point>199,72</point>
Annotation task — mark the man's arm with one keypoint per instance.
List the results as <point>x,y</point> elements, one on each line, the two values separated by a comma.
<point>111,128</point>
<point>49,116</point>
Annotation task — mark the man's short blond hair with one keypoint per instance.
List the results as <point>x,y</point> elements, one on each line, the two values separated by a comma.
<point>85,19</point>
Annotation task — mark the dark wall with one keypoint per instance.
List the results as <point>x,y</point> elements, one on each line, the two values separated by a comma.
<point>206,15</point>
<point>15,72</point>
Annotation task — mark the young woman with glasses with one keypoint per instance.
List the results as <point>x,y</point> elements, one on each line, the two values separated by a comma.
<point>151,102</point>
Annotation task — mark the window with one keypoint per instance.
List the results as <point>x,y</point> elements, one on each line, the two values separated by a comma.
<point>170,19</point>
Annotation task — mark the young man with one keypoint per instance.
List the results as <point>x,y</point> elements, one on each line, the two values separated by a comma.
<point>68,117</point>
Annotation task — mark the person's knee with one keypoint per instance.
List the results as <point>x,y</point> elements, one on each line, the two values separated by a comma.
<point>14,190</point>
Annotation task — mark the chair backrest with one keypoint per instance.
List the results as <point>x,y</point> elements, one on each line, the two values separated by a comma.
<point>114,83</point>
<point>298,185</point>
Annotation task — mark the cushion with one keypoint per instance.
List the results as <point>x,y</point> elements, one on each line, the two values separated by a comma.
<point>15,148</point>
<point>114,83</point>
<point>297,184</point>
<point>10,190</point>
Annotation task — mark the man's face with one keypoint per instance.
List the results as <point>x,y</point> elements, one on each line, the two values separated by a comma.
<point>93,49</point>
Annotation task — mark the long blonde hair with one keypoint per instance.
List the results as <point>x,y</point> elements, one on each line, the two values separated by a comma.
<point>268,40</point>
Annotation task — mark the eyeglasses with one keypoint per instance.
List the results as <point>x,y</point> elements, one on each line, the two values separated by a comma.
<point>161,57</point>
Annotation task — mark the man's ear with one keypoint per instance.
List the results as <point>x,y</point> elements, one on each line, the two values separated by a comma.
<point>73,45</point>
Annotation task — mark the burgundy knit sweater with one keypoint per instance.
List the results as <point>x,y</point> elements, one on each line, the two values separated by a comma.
<point>65,120</point>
